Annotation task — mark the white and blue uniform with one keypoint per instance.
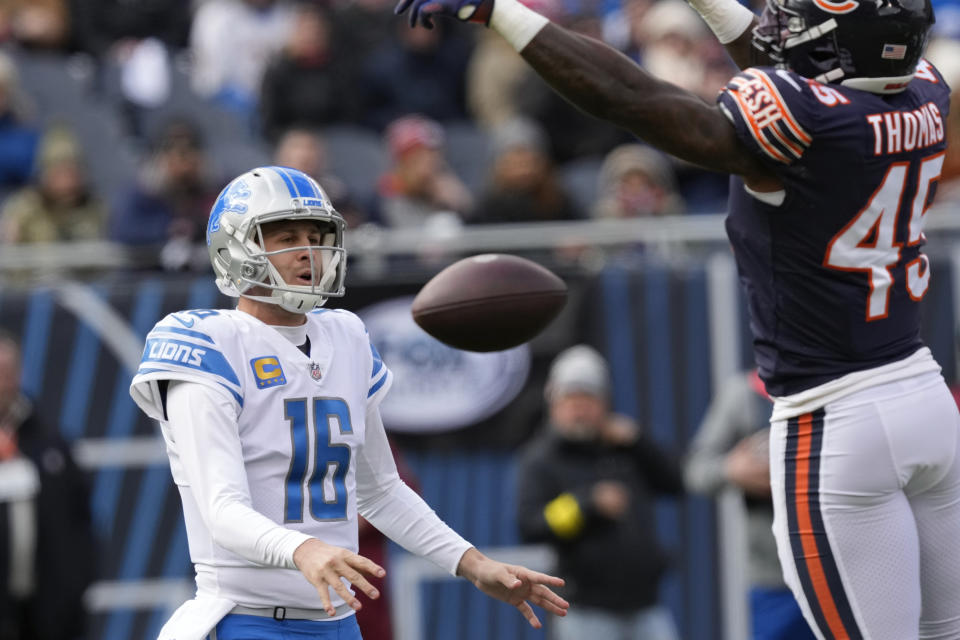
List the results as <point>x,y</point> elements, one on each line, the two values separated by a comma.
<point>270,445</point>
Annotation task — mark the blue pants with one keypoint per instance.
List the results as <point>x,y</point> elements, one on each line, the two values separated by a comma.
<point>238,627</point>
<point>775,615</point>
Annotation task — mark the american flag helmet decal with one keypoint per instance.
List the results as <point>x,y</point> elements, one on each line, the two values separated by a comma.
<point>894,52</point>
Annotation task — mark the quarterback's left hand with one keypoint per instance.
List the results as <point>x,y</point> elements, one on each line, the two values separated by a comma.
<point>513,584</point>
<point>465,10</point>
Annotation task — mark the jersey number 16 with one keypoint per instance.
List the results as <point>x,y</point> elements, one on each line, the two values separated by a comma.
<point>326,488</point>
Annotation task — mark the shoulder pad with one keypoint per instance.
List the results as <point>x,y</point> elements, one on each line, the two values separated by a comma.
<point>185,346</point>
<point>772,112</point>
<point>193,319</point>
<point>338,316</point>
<point>929,73</point>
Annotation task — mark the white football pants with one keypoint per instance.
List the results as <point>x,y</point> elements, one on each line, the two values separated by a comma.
<point>867,512</point>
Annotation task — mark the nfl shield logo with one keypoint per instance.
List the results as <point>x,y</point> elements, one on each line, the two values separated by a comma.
<point>315,371</point>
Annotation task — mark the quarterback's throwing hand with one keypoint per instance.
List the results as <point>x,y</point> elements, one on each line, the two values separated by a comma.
<point>513,584</point>
<point>324,565</point>
<point>422,11</point>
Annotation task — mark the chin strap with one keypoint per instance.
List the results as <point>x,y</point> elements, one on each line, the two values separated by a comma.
<point>830,76</point>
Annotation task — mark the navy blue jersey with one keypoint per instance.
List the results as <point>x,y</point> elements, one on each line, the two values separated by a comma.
<point>834,273</point>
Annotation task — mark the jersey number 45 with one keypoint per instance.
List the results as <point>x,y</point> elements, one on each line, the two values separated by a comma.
<point>868,243</point>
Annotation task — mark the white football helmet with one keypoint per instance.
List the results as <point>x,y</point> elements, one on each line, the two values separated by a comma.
<point>235,239</point>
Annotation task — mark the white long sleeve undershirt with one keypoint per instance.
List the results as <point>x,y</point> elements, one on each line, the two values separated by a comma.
<point>202,423</point>
<point>395,509</point>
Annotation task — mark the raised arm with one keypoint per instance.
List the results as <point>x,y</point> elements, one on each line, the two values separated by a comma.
<point>606,84</point>
<point>741,49</point>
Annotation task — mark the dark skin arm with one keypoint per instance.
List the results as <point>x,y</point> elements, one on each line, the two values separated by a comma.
<point>743,53</point>
<point>606,84</point>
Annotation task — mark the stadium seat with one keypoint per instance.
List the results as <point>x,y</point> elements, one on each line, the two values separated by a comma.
<point>62,91</point>
<point>356,156</point>
<point>468,152</point>
<point>579,178</point>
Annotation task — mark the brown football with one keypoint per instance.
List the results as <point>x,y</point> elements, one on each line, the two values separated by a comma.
<point>489,302</point>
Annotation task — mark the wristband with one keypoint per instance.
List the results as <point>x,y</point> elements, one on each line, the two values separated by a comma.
<point>516,23</point>
<point>728,19</point>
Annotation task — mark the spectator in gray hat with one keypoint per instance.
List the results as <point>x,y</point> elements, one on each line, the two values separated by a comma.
<point>523,184</point>
<point>586,487</point>
<point>636,181</point>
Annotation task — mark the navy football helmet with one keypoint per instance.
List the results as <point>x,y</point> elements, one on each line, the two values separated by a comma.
<point>873,45</point>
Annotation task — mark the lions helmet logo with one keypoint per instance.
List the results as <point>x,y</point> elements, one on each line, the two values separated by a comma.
<point>231,199</point>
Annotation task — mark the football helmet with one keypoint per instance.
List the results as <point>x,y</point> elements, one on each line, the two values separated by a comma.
<point>236,246</point>
<point>872,45</point>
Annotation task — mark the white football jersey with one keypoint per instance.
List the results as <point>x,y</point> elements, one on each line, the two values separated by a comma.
<point>301,422</point>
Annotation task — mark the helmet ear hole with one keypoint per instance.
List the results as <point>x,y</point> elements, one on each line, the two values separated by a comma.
<point>823,55</point>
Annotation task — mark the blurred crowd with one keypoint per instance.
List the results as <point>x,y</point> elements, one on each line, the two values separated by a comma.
<point>403,127</point>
